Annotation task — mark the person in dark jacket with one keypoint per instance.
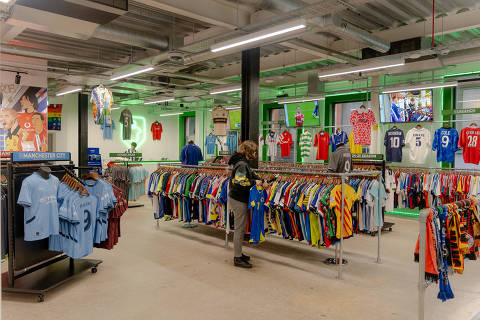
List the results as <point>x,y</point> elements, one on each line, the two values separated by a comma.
<point>191,154</point>
<point>242,179</point>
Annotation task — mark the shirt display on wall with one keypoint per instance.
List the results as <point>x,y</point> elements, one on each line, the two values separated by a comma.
<point>470,143</point>
<point>38,196</point>
<point>362,121</point>
<point>285,141</point>
<point>394,141</point>
<point>54,117</point>
<point>101,98</point>
<point>305,144</point>
<point>156,129</point>
<point>126,120</point>
<point>271,140</point>
<point>321,141</point>
<point>354,148</point>
<point>232,142</point>
<point>445,141</point>
<point>339,136</point>
<point>418,139</point>
<point>219,118</point>
<point>210,143</point>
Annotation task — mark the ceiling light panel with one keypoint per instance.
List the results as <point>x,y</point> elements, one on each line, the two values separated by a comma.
<point>363,68</point>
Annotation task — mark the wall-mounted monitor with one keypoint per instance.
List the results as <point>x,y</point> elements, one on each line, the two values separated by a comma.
<point>406,106</point>
<point>301,114</point>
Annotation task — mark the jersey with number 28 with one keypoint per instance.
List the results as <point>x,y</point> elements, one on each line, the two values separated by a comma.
<point>445,141</point>
<point>470,143</point>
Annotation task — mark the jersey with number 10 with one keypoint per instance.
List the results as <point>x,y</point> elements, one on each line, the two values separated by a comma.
<point>470,142</point>
<point>419,141</point>
<point>445,141</point>
<point>394,141</point>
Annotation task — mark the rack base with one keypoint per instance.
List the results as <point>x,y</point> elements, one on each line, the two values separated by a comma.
<point>46,279</point>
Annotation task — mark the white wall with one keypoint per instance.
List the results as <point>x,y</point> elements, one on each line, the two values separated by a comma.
<point>167,147</point>
<point>66,140</point>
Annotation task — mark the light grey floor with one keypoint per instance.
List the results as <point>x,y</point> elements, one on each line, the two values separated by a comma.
<point>168,272</point>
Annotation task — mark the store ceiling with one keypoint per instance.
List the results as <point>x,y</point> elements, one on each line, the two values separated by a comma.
<point>85,42</point>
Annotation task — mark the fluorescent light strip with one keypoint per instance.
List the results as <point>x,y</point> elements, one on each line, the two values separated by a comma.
<point>69,91</point>
<point>361,70</point>
<point>265,36</point>
<point>476,100</point>
<point>300,100</point>
<point>225,91</point>
<point>159,101</point>
<point>132,73</point>
<point>423,88</point>
<point>233,108</point>
<point>115,108</point>
<point>170,114</point>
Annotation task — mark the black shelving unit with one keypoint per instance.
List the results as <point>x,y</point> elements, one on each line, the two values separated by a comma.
<point>32,268</point>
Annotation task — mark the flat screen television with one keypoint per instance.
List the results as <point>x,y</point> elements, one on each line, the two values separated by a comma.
<point>406,106</point>
<point>301,114</point>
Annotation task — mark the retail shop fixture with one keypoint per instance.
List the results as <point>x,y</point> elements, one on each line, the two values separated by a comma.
<point>343,177</point>
<point>32,268</point>
<point>422,221</point>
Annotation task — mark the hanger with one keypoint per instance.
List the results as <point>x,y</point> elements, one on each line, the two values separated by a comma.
<point>473,124</point>
<point>93,176</point>
<point>394,127</point>
<point>418,126</point>
<point>446,125</point>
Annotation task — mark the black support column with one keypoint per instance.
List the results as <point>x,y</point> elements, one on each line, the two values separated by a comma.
<point>82,132</point>
<point>250,95</point>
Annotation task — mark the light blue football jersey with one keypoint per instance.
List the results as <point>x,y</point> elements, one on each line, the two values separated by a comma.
<point>38,196</point>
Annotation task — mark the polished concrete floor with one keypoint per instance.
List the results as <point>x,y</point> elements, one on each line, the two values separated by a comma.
<point>168,272</point>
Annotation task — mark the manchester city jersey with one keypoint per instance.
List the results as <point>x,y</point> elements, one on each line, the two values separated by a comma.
<point>445,141</point>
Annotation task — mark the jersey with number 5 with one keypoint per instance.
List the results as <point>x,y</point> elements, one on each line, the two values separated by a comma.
<point>445,141</point>
<point>394,141</point>
<point>470,143</point>
<point>419,144</point>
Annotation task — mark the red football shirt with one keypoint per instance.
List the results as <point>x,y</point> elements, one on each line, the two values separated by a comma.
<point>156,129</point>
<point>470,143</point>
<point>322,142</point>
<point>285,141</point>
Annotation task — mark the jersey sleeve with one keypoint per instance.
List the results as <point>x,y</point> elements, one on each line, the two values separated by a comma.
<point>121,117</point>
<point>455,141</point>
<point>25,196</point>
<point>345,137</point>
<point>251,198</point>
<point>152,126</point>
<point>371,117</point>
<point>315,141</point>
<point>402,138</point>
<point>461,141</point>
<point>353,117</point>
<point>435,141</point>
<point>385,139</point>
<point>332,142</point>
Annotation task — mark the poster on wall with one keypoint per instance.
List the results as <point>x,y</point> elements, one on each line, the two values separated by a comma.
<point>55,117</point>
<point>235,117</point>
<point>301,114</point>
<point>23,118</point>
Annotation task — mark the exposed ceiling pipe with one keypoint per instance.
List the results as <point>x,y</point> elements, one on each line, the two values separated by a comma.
<point>112,32</point>
<point>29,52</point>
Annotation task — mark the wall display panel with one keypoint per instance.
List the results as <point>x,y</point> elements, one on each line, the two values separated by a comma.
<point>406,106</point>
<point>235,117</point>
<point>23,118</point>
<point>301,114</point>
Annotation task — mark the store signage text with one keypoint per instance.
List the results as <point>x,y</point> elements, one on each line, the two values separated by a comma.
<point>461,111</point>
<point>367,156</point>
<point>40,156</point>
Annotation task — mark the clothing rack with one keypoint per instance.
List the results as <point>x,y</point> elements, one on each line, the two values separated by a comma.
<point>422,221</point>
<point>32,268</point>
<point>343,177</point>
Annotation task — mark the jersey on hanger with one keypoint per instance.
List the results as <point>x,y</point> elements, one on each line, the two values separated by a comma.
<point>362,123</point>
<point>256,203</point>
<point>285,141</point>
<point>470,143</point>
<point>339,136</point>
<point>156,129</point>
<point>321,141</point>
<point>445,141</point>
<point>271,140</point>
<point>419,142</point>
<point>394,141</point>
<point>305,144</point>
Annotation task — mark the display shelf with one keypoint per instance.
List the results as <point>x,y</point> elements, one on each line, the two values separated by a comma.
<point>43,280</point>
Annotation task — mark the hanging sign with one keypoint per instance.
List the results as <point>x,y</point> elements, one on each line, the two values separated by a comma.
<point>126,155</point>
<point>460,111</point>
<point>54,117</point>
<point>40,156</point>
<point>361,156</point>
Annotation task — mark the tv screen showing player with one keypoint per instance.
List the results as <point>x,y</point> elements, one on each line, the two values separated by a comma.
<point>301,114</point>
<point>406,106</point>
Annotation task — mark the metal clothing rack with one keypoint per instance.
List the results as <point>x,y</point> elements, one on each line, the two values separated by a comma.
<point>422,221</point>
<point>32,268</point>
<point>343,177</point>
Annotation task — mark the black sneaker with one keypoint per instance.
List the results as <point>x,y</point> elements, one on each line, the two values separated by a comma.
<point>239,262</point>
<point>244,257</point>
